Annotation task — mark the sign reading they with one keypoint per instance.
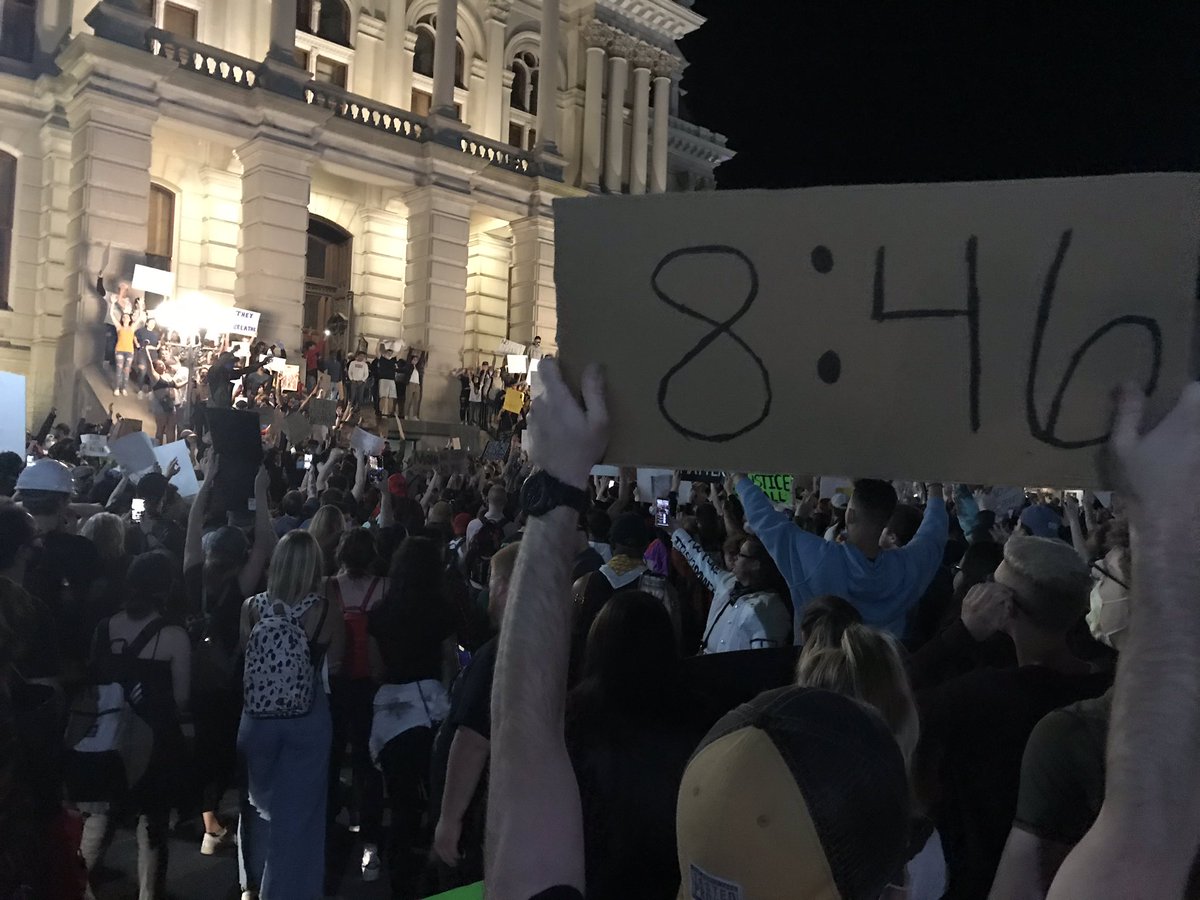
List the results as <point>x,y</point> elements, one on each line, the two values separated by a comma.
<point>968,332</point>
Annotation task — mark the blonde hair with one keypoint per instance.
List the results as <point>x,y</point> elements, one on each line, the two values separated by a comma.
<point>327,526</point>
<point>866,666</point>
<point>107,532</point>
<point>296,568</point>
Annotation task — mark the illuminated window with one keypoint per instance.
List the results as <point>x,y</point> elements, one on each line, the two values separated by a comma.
<point>160,227</point>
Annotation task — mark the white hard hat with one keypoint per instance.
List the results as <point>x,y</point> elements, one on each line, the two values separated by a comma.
<point>46,475</point>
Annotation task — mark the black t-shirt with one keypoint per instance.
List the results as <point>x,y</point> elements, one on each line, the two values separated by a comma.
<point>61,577</point>
<point>385,368</point>
<point>974,729</point>
<point>224,609</point>
<point>470,706</point>
<point>410,637</point>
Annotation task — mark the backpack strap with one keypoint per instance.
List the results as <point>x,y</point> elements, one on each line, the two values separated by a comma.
<point>370,593</point>
<point>145,636</point>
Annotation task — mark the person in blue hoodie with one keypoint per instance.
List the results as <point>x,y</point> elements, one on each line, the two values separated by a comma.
<point>881,584</point>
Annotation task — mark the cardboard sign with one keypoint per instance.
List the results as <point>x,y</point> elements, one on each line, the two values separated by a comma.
<point>122,428</point>
<point>185,481</point>
<point>289,378</point>
<point>369,444</point>
<point>241,321</point>
<point>297,428</point>
<point>778,488</point>
<point>961,332</point>
<point>322,412</point>
<point>12,413</point>
<point>510,348</point>
<point>134,453</point>
<point>514,400</point>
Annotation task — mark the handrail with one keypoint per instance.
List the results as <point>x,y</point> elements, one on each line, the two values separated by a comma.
<point>202,58</point>
<point>505,156</point>
<point>364,111</point>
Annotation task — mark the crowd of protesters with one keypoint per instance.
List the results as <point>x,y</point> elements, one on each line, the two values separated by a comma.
<point>450,671</point>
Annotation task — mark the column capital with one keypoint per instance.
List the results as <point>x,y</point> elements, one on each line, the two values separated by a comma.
<point>643,56</point>
<point>597,34</point>
<point>622,46</point>
<point>498,10</point>
<point>666,65</point>
<point>275,153</point>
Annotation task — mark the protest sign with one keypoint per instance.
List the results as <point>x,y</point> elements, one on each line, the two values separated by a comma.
<point>653,484</point>
<point>369,444</point>
<point>518,365</point>
<point>153,281</point>
<point>241,321</point>
<point>606,472</point>
<point>967,332</point>
<point>297,428</point>
<point>510,348</point>
<point>708,477</point>
<point>289,378</point>
<point>94,445</point>
<point>495,451</point>
<point>123,427</point>
<point>134,453</point>
<point>238,442</point>
<point>12,413</point>
<point>322,412</point>
<point>778,488</point>
<point>185,481</point>
<point>513,400</point>
<point>835,484</point>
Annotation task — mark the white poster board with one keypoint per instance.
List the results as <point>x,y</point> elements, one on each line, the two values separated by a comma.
<point>153,281</point>
<point>134,453</point>
<point>185,481</point>
<point>956,332</point>
<point>510,348</point>
<point>241,321</point>
<point>12,413</point>
<point>369,444</point>
<point>518,365</point>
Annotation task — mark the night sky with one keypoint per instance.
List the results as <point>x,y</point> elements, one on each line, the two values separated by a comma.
<point>883,91</point>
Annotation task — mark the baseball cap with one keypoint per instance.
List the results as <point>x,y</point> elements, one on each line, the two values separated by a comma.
<point>439,513</point>
<point>46,475</point>
<point>398,485</point>
<point>152,487</point>
<point>839,501</point>
<point>798,793</point>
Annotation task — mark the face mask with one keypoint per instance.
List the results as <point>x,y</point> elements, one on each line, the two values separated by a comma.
<point>1107,617</point>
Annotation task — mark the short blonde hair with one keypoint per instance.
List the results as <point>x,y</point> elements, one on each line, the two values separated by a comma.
<point>866,666</point>
<point>296,568</point>
<point>1056,579</point>
<point>107,532</point>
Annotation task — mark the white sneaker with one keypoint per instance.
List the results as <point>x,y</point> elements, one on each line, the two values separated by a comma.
<point>370,862</point>
<point>211,843</point>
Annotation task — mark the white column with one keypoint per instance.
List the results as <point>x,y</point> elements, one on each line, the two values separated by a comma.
<point>283,31</point>
<point>477,96</point>
<point>435,291</point>
<point>221,222</point>
<point>395,77</point>
<point>381,238</point>
<point>489,256</point>
<point>593,111</point>
<point>444,52</point>
<point>276,184</point>
<point>107,209</point>
<point>662,111</point>
<point>240,31</point>
<point>366,49</point>
<point>547,111</point>
<point>532,312</point>
<point>639,145</point>
<point>614,154</point>
<point>496,64</point>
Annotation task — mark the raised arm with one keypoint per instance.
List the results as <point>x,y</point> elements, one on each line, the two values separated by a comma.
<point>1078,538</point>
<point>1144,840</point>
<point>360,475</point>
<point>627,482</point>
<point>701,563</point>
<point>794,550</point>
<point>535,822</point>
<point>928,545</point>
<point>264,536</point>
<point>193,547</point>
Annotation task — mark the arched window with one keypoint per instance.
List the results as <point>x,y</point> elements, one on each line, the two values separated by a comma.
<point>426,31</point>
<point>8,193</point>
<point>328,19</point>
<point>160,227</point>
<point>525,82</point>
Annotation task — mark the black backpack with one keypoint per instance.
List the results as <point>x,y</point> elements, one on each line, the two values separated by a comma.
<point>487,541</point>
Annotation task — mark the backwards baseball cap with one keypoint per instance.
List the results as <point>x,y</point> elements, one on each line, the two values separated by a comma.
<point>798,793</point>
<point>46,475</point>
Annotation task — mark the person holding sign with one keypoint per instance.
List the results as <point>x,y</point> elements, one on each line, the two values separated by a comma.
<point>883,586</point>
<point>747,611</point>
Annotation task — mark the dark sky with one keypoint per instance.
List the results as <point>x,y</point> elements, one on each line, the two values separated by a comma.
<point>885,91</point>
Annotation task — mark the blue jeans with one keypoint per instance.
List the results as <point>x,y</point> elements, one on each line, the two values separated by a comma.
<point>281,834</point>
<point>123,361</point>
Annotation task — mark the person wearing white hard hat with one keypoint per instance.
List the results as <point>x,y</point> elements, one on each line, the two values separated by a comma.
<point>62,573</point>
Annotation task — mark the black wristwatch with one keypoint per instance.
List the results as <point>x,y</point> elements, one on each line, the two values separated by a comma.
<point>543,492</point>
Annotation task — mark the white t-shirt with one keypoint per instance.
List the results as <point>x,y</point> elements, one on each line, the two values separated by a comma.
<point>415,378</point>
<point>475,396</point>
<point>358,370</point>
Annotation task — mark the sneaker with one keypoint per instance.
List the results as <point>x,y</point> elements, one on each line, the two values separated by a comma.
<point>211,843</point>
<point>370,862</point>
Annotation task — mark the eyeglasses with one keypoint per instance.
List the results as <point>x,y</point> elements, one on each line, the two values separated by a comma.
<point>1099,573</point>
